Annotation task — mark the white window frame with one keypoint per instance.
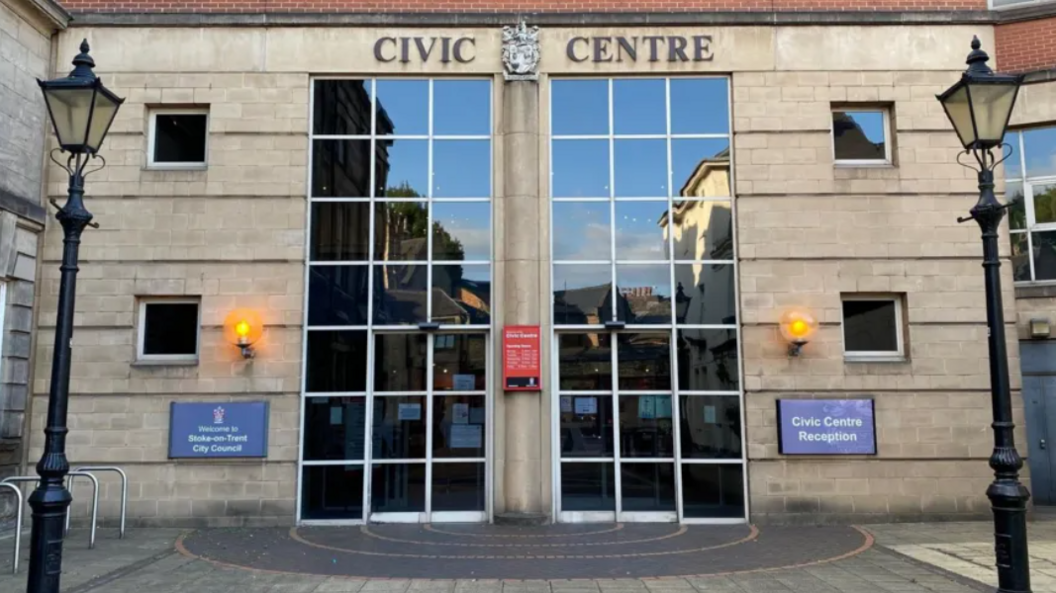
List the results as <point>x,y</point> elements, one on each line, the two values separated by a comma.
<point>1028,184</point>
<point>142,326</point>
<point>886,161</point>
<point>898,355</point>
<point>152,125</point>
<point>1021,4</point>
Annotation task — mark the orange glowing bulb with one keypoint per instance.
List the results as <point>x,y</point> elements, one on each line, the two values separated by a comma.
<point>799,328</point>
<point>242,329</point>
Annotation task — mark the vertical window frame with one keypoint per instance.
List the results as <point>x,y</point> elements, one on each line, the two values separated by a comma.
<point>898,355</point>
<point>141,327</point>
<point>152,122</point>
<point>885,111</point>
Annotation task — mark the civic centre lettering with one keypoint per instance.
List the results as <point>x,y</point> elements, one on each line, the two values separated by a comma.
<point>826,427</point>
<point>654,48</point>
<point>232,429</point>
<point>445,49</point>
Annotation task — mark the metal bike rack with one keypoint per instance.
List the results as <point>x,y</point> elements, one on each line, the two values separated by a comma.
<point>124,489</point>
<point>95,502</point>
<point>18,523</point>
<point>95,498</point>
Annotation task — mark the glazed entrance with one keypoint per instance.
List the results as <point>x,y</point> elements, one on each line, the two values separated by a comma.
<point>648,416</point>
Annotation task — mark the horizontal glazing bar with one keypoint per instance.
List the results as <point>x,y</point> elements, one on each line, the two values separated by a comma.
<point>726,461</point>
<point>376,461</point>
<point>585,393</point>
<point>639,136</point>
<point>380,263</point>
<point>710,393</point>
<point>647,460</point>
<point>334,394</point>
<point>398,137</point>
<point>587,459</point>
<point>332,462</point>
<point>383,200</point>
<point>459,460</point>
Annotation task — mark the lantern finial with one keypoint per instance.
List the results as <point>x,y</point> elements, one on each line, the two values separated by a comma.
<point>83,63</point>
<point>978,58</point>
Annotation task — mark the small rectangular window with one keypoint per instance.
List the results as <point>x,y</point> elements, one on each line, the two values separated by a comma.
<point>861,136</point>
<point>872,327</point>
<point>178,138</point>
<point>169,329</point>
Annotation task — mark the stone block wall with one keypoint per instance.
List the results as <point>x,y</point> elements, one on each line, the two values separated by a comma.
<point>231,234</point>
<point>808,231</point>
<point>26,28</point>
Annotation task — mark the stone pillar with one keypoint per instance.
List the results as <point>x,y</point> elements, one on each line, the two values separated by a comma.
<point>521,305</point>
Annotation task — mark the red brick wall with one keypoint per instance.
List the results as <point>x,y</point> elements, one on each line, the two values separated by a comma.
<point>1025,46</point>
<point>514,6</point>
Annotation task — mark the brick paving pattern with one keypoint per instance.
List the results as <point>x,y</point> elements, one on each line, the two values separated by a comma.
<point>148,561</point>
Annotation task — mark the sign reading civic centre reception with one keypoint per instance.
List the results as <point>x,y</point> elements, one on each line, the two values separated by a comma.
<point>229,429</point>
<point>826,427</point>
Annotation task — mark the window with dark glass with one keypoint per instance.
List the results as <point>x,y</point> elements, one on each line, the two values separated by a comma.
<point>178,138</point>
<point>169,328</point>
<point>872,326</point>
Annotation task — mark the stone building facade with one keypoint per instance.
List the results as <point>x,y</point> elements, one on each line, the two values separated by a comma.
<point>26,32</point>
<point>362,181</point>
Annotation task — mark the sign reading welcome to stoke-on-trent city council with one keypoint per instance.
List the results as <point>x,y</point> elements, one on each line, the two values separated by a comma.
<point>826,427</point>
<point>229,429</point>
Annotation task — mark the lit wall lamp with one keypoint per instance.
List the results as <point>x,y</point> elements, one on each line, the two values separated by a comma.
<point>797,325</point>
<point>1040,328</point>
<point>243,328</point>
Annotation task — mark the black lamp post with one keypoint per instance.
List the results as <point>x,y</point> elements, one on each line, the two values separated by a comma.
<point>81,110</point>
<point>979,107</point>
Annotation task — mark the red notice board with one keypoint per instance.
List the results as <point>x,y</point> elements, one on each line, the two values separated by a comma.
<point>521,358</point>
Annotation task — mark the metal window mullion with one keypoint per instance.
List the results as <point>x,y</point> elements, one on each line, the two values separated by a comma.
<point>1030,255</point>
<point>674,404</point>
<point>428,415</point>
<point>304,313</point>
<point>614,313</point>
<point>429,219</point>
<point>737,303</point>
<point>368,421</point>
<point>617,478</point>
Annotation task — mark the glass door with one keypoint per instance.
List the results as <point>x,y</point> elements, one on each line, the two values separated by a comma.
<point>429,427</point>
<point>616,427</point>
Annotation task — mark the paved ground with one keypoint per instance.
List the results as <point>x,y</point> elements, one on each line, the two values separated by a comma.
<point>771,560</point>
<point>967,549</point>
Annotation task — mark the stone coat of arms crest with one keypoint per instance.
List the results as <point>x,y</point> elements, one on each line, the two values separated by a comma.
<point>520,52</point>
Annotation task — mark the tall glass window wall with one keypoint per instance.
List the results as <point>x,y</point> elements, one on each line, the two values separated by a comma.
<point>1030,189</point>
<point>649,417</point>
<point>395,402</point>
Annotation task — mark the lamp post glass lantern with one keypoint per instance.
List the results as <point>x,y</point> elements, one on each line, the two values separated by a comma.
<point>81,110</point>
<point>979,106</point>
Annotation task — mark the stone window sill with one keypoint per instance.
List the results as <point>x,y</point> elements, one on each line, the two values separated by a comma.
<point>152,362</point>
<point>893,359</point>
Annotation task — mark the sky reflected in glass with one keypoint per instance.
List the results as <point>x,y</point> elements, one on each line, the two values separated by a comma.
<point>579,107</point>
<point>634,105</point>
<point>461,107</point>
<point>580,168</point>
<point>582,231</point>
<point>406,105</point>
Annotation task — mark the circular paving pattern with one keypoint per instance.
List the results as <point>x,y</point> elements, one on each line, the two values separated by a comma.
<point>549,552</point>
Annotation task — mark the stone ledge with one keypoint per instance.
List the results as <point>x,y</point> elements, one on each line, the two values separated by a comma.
<point>23,207</point>
<point>950,17</point>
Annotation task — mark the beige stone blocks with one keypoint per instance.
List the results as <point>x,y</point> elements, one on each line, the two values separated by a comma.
<point>133,427</point>
<point>813,490</point>
<point>939,356</point>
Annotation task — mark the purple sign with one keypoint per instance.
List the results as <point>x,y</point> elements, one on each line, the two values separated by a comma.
<point>826,427</point>
<point>228,429</point>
